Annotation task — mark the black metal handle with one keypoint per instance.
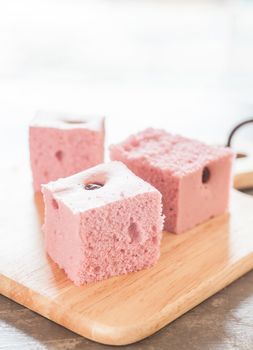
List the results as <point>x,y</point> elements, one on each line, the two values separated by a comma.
<point>235,129</point>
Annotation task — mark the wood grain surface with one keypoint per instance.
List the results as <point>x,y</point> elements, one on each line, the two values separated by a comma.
<point>124,309</point>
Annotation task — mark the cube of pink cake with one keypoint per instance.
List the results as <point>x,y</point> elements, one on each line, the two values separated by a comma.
<point>102,222</point>
<point>64,144</point>
<point>193,178</point>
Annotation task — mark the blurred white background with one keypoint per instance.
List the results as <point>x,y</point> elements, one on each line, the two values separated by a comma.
<point>186,66</point>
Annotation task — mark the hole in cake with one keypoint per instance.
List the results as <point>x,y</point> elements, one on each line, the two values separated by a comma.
<point>59,155</point>
<point>132,144</point>
<point>122,251</point>
<point>154,228</point>
<point>127,148</point>
<point>134,233</point>
<point>135,143</point>
<point>90,247</point>
<point>206,175</point>
<point>241,155</point>
<point>95,181</point>
<point>93,186</point>
<point>69,121</point>
<point>154,240</point>
<point>115,238</point>
<point>97,269</point>
<point>55,205</point>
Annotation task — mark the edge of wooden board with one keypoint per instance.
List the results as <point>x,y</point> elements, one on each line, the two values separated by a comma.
<point>121,336</point>
<point>113,335</point>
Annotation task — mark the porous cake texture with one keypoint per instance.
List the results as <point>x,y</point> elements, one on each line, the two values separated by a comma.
<point>63,144</point>
<point>102,222</point>
<point>194,178</point>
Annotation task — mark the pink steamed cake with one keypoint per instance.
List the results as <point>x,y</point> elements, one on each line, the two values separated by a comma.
<point>102,222</point>
<point>63,144</point>
<point>194,178</point>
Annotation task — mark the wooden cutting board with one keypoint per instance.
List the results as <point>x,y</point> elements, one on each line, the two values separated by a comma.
<point>125,309</point>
